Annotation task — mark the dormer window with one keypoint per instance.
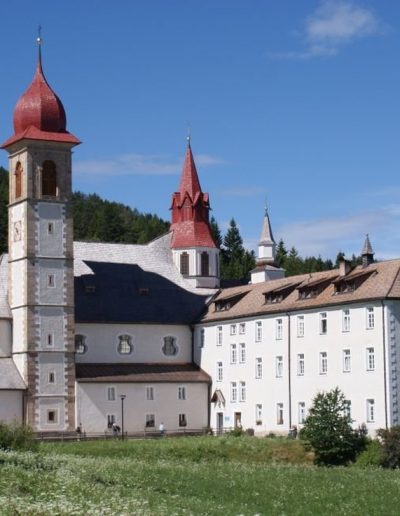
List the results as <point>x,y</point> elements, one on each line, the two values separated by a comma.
<point>313,288</point>
<point>279,294</point>
<point>350,283</point>
<point>222,305</point>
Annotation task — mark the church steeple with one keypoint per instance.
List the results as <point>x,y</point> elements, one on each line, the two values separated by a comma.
<point>266,268</point>
<point>266,245</point>
<point>367,252</point>
<point>194,249</point>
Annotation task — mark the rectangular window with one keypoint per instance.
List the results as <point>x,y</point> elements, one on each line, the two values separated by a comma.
<point>370,359</point>
<point>242,353</point>
<point>370,318</point>
<point>300,325</point>
<point>258,331</point>
<point>323,362</point>
<point>51,281</point>
<point>346,361</point>
<point>219,336</point>
<point>301,412</point>
<point>370,411</point>
<point>347,409</point>
<point>233,329</point>
<point>50,340</point>
<point>346,320</point>
<point>279,329</point>
<point>50,228</point>
<point>323,323</point>
<point>149,393</point>
<point>202,337</point>
<point>111,393</point>
<point>300,364</point>
<point>110,420</point>
<point>233,392</point>
<point>233,354</point>
<point>181,393</point>
<point>182,420</point>
<point>52,377</point>
<point>279,366</point>
<point>52,417</point>
<point>242,328</point>
<point>150,421</point>
<point>259,414</point>
<point>242,392</point>
<point>220,372</point>
<point>279,413</point>
<point>259,368</point>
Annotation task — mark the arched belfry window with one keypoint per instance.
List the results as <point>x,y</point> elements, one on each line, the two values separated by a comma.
<point>18,180</point>
<point>49,178</point>
<point>184,264</point>
<point>205,264</point>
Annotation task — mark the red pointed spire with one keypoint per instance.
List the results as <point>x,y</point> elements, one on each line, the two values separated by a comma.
<point>189,180</point>
<point>190,209</point>
<point>39,113</point>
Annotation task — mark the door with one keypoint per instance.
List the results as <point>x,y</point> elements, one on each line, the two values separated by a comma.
<point>220,423</point>
<point>238,420</point>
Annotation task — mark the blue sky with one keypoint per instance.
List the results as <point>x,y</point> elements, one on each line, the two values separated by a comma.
<point>294,102</point>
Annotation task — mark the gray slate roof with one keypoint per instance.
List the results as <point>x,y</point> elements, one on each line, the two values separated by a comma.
<point>10,378</point>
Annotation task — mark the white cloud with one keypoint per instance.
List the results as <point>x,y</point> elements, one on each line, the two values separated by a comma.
<point>329,235</point>
<point>139,164</point>
<point>334,24</point>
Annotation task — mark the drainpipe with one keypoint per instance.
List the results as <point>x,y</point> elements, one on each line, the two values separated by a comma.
<point>289,371</point>
<point>384,363</point>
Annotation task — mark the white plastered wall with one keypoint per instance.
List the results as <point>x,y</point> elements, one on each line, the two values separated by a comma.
<point>11,406</point>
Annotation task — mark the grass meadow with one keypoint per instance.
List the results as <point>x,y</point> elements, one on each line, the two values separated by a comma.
<point>193,475</point>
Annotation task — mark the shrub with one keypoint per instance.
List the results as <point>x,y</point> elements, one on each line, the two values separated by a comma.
<point>14,436</point>
<point>371,456</point>
<point>328,431</point>
<point>236,432</point>
<point>390,439</point>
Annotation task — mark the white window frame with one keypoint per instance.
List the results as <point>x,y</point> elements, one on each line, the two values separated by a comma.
<point>56,414</point>
<point>346,361</point>
<point>370,410</point>
<point>232,329</point>
<point>242,391</point>
<point>182,393</point>
<point>300,325</point>
<point>219,335</point>
<point>323,362</point>
<point>233,353</point>
<point>279,366</point>
<point>242,353</point>
<point>370,358</point>
<point>125,340</point>
<point>279,328</point>
<point>370,317</point>
<point>258,331</point>
<point>148,419</point>
<point>149,393</point>
<point>111,393</point>
<point>234,393</point>
<point>301,411</point>
<point>182,420</point>
<point>259,413</point>
<point>300,364</point>
<point>220,371</point>
<point>346,320</point>
<point>259,368</point>
<point>242,328</point>
<point>280,413</point>
<point>323,323</point>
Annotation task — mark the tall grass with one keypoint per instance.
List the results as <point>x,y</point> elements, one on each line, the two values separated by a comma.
<point>14,436</point>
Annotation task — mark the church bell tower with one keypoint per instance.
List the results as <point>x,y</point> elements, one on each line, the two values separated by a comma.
<point>41,280</point>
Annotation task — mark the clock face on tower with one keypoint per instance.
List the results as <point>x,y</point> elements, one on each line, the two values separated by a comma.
<point>17,231</point>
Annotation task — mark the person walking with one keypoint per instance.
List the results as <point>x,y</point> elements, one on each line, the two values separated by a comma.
<point>161,429</point>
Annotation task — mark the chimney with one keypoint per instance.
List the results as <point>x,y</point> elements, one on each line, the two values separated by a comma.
<point>344,266</point>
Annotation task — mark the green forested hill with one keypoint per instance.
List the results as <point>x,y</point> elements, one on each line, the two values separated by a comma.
<point>96,219</point>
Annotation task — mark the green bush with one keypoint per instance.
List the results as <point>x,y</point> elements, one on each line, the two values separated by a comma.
<point>328,431</point>
<point>390,439</point>
<point>371,456</point>
<point>236,432</point>
<point>14,436</point>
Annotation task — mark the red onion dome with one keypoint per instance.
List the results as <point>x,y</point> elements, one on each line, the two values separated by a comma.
<point>39,107</point>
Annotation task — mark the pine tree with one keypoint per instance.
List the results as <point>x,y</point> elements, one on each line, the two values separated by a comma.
<point>216,232</point>
<point>281,254</point>
<point>236,262</point>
